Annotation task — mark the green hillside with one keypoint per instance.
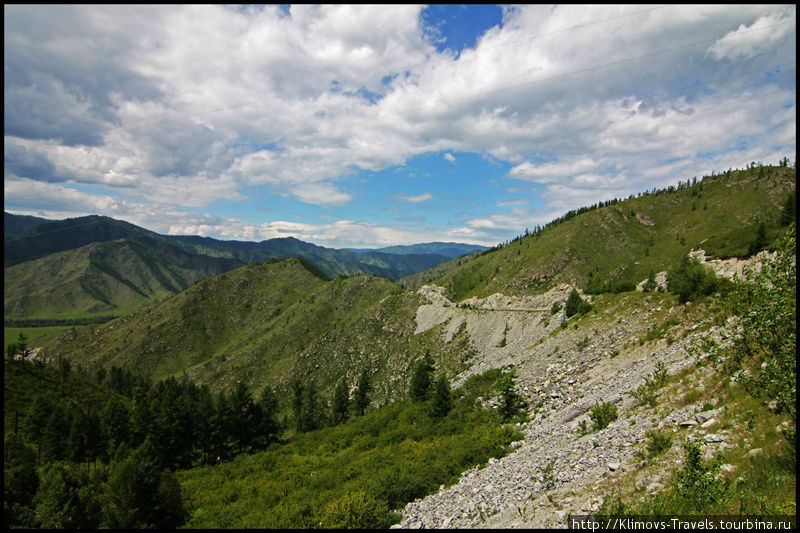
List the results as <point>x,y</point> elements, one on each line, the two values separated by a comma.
<point>624,241</point>
<point>113,277</point>
<point>331,261</point>
<point>59,235</point>
<point>266,324</point>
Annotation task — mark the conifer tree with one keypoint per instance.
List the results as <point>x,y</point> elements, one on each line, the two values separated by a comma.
<point>441,401</point>
<point>420,386</point>
<point>361,396</point>
<point>341,402</point>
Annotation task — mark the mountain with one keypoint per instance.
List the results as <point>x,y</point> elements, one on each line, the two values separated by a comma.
<point>60,235</point>
<point>331,261</point>
<point>265,324</point>
<point>16,225</point>
<point>96,264</point>
<point>108,278</point>
<point>447,249</point>
<point>627,403</point>
<point>621,242</point>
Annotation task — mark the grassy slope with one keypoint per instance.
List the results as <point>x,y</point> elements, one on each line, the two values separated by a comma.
<point>113,277</point>
<point>266,324</point>
<point>627,240</point>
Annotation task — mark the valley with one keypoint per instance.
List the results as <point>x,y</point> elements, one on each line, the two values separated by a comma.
<point>580,319</point>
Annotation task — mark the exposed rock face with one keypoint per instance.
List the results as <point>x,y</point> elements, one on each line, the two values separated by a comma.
<point>563,373</point>
<point>726,268</point>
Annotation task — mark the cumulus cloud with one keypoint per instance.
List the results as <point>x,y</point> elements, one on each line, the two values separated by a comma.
<point>181,106</point>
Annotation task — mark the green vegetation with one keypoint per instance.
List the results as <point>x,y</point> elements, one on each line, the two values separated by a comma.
<point>602,414</point>
<point>691,280</point>
<point>610,238</point>
<point>763,355</point>
<point>576,305</point>
<point>353,474</point>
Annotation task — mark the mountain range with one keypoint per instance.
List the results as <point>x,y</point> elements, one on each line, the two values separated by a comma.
<point>98,265</point>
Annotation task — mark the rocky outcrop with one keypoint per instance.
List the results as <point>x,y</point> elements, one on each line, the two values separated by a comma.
<point>563,373</point>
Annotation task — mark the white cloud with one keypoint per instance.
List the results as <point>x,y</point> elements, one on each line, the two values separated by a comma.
<point>413,199</point>
<point>748,41</point>
<point>587,100</point>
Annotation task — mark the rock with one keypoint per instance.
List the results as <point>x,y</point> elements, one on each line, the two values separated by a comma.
<point>654,487</point>
<point>705,415</point>
<point>687,423</point>
<point>713,437</point>
<point>708,423</point>
<point>614,465</point>
<point>754,452</point>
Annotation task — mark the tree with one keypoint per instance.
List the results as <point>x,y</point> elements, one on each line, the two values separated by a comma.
<point>575,304</point>
<point>789,209</point>
<point>420,386</point>
<point>140,496</point>
<point>763,355</point>
<point>361,396</point>
<point>691,280</point>
<point>66,499</point>
<point>760,241</point>
<point>441,400</point>
<point>269,426</point>
<point>511,402</point>
<point>243,420</point>
<point>340,404</point>
<point>115,423</point>
<point>35,421</point>
<point>20,482</point>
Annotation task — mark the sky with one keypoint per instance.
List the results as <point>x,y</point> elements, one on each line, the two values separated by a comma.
<point>371,126</point>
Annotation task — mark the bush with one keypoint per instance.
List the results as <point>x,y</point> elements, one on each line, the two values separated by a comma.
<point>698,484</point>
<point>356,510</point>
<point>602,414</point>
<point>659,443</point>
<point>576,305</point>
<point>691,280</point>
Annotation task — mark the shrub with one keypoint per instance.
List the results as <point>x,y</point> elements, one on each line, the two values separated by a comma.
<point>698,484</point>
<point>691,280</point>
<point>659,443</point>
<point>356,510</point>
<point>602,414</point>
<point>556,308</point>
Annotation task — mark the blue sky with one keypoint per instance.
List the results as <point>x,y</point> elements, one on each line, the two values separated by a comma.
<point>369,126</point>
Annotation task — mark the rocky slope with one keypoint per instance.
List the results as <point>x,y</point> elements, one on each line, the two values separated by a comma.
<point>563,372</point>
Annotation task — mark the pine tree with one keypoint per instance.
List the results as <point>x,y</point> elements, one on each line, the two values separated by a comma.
<point>573,302</point>
<point>420,386</point>
<point>341,402</point>
<point>361,396</point>
<point>441,400</point>
<point>268,428</point>
<point>789,210</point>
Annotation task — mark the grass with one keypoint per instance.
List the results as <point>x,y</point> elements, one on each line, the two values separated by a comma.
<point>10,335</point>
<point>375,463</point>
<point>663,224</point>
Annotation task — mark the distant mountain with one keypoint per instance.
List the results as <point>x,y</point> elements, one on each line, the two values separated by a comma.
<point>59,235</point>
<point>450,250</point>
<point>109,278</point>
<point>96,264</point>
<point>16,225</point>
<point>331,261</point>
